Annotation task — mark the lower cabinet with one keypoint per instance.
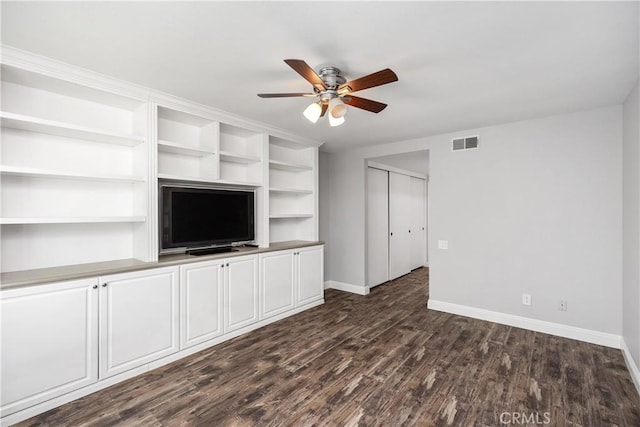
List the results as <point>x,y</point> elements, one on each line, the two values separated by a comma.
<point>277,282</point>
<point>138,318</point>
<point>201,302</point>
<point>290,279</point>
<point>49,342</point>
<point>310,274</point>
<point>61,337</point>
<point>240,292</point>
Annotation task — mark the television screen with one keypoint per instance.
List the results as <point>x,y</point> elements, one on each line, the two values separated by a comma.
<point>202,217</point>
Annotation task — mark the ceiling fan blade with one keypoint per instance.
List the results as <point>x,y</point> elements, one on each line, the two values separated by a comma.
<point>365,104</point>
<point>325,107</point>
<point>379,78</point>
<point>284,95</point>
<point>307,72</point>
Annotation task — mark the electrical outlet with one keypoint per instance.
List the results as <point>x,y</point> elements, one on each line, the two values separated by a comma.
<point>443,244</point>
<point>563,305</point>
<point>526,299</point>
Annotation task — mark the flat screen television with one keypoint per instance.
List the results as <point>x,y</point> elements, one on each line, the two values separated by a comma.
<point>201,217</point>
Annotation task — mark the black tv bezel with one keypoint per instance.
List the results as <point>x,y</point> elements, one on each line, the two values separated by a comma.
<point>204,244</point>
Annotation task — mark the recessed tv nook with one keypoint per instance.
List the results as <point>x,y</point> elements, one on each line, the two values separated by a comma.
<point>201,220</point>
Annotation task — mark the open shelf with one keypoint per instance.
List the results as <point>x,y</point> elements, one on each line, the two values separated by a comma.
<point>47,173</point>
<point>289,190</point>
<point>227,156</point>
<point>71,220</point>
<point>285,215</point>
<point>51,127</point>
<point>176,148</point>
<point>287,166</point>
<point>193,179</point>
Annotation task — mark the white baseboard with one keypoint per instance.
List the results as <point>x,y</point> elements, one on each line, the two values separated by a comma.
<point>566,331</point>
<point>347,287</point>
<point>631,365</point>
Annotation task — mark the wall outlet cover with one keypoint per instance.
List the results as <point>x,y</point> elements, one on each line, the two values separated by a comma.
<point>443,244</point>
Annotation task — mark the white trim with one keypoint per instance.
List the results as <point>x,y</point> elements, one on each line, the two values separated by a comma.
<point>566,331</point>
<point>346,287</point>
<point>631,365</point>
<point>388,168</point>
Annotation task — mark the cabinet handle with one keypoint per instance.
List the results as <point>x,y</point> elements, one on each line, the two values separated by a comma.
<point>95,286</point>
<point>392,233</point>
<point>227,264</point>
<point>104,285</point>
<point>409,231</point>
<point>222,265</point>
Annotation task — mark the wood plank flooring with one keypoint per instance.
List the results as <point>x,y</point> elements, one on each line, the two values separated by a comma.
<point>376,360</point>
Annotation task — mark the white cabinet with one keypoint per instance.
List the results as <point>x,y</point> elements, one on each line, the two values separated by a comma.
<point>290,279</point>
<point>49,342</point>
<point>201,314</point>
<point>309,274</point>
<point>277,282</point>
<point>240,292</point>
<point>138,318</point>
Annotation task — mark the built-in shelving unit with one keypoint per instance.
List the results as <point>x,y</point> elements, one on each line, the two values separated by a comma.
<point>241,154</point>
<point>292,190</point>
<point>82,155</point>
<point>187,145</point>
<point>74,170</point>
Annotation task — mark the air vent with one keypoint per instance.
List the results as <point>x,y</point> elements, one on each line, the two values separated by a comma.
<point>466,143</point>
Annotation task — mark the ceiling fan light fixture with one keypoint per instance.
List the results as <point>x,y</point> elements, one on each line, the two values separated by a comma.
<point>337,109</point>
<point>313,112</point>
<point>335,121</point>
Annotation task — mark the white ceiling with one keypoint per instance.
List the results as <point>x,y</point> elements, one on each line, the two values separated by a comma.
<point>460,65</point>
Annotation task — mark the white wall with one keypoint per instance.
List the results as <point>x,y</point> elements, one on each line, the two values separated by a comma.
<point>324,202</point>
<point>631,226</point>
<point>536,209</point>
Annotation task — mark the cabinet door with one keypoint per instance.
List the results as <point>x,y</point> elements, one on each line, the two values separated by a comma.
<point>138,318</point>
<point>310,274</point>
<point>201,302</point>
<point>399,225</point>
<point>276,283</point>
<point>49,342</point>
<point>241,292</point>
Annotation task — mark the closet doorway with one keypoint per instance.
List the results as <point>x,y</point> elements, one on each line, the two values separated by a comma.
<point>396,219</point>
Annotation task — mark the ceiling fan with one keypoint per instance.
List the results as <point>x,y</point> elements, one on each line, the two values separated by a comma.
<point>333,91</point>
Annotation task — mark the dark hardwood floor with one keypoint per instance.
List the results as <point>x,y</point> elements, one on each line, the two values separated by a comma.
<point>381,359</point>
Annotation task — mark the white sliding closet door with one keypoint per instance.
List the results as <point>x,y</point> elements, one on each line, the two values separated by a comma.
<point>400,208</point>
<point>377,226</point>
<point>418,235</point>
